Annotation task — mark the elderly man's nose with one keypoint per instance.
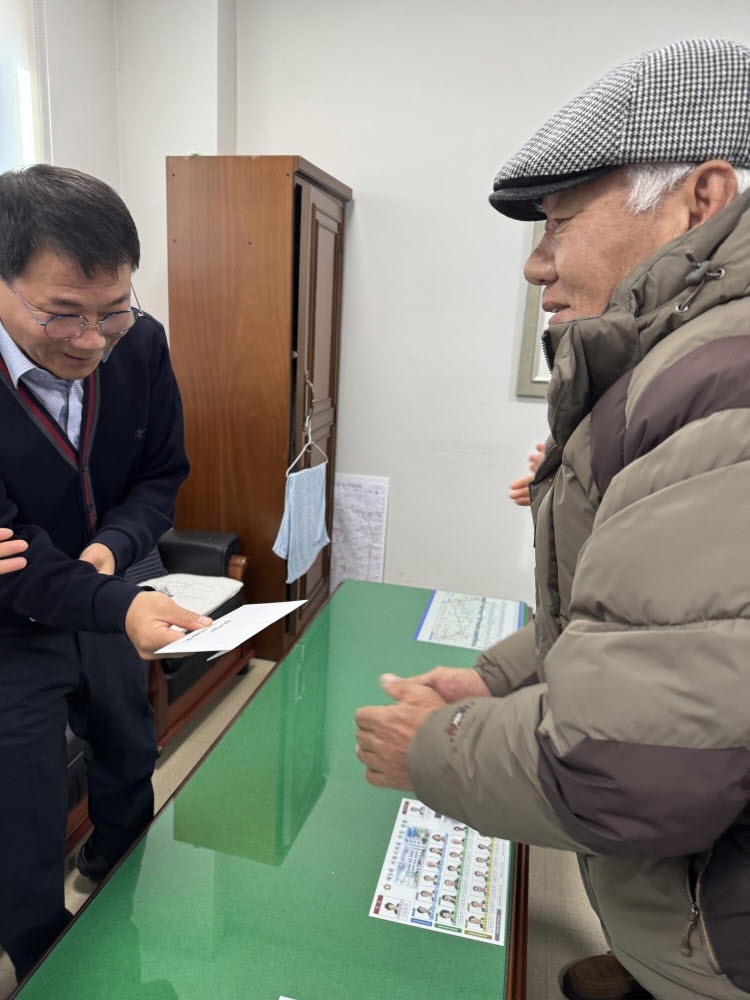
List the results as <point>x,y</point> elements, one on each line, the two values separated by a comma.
<point>540,266</point>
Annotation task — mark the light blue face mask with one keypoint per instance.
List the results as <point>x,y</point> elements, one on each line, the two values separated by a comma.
<point>303,527</point>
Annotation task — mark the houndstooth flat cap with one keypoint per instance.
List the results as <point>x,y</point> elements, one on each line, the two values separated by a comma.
<point>686,103</point>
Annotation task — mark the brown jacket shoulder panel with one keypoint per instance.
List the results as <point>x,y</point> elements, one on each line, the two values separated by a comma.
<point>608,424</point>
<point>714,376</point>
<point>618,798</point>
<point>711,378</point>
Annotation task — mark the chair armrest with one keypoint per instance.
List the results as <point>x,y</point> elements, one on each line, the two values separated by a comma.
<point>205,553</point>
<point>238,566</point>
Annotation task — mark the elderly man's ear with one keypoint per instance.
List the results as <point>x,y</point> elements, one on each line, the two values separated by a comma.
<point>708,189</point>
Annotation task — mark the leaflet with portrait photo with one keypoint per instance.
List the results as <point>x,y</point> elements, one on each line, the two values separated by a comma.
<point>443,876</point>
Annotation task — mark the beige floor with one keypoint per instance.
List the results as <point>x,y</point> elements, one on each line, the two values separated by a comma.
<point>562,926</point>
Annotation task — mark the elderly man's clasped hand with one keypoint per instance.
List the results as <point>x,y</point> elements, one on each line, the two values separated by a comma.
<point>385,732</point>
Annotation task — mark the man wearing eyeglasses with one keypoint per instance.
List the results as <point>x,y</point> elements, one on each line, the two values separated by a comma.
<point>91,458</point>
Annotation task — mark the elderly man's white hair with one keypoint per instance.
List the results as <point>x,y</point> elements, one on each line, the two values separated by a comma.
<point>651,182</point>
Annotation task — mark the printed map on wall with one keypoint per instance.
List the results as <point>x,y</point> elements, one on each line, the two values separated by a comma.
<point>360,509</point>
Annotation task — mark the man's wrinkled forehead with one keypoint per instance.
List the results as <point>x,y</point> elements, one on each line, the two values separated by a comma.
<point>564,201</point>
<point>575,199</point>
<point>551,204</point>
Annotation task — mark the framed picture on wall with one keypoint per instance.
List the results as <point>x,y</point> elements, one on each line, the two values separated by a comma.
<point>533,373</point>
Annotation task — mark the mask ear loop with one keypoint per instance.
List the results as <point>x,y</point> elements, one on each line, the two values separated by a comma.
<point>308,440</point>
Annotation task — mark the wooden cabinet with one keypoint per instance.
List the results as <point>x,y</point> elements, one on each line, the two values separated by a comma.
<point>255,261</point>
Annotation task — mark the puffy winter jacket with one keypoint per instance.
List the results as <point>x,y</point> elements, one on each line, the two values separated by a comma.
<point>633,750</point>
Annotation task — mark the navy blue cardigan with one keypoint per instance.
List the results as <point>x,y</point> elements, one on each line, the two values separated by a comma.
<point>119,488</point>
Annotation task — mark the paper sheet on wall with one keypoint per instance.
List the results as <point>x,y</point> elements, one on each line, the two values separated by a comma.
<point>469,621</point>
<point>443,876</point>
<point>360,509</point>
<point>231,630</point>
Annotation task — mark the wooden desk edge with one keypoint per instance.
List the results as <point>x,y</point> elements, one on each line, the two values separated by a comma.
<point>515,974</point>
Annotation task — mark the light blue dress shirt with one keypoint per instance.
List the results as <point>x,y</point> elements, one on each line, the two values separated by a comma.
<point>61,397</point>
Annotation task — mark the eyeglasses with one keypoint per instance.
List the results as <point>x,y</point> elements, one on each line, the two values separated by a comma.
<point>66,327</point>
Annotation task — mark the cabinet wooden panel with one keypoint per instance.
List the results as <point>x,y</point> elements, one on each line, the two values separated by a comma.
<point>255,263</point>
<point>316,363</point>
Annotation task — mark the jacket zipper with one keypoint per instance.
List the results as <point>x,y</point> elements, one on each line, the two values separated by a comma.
<point>685,947</point>
<point>696,916</point>
<point>549,355</point>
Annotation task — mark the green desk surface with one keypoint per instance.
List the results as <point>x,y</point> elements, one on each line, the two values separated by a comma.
<point>256,879</point>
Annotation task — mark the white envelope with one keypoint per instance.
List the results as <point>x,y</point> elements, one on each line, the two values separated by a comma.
<point>230,631</point>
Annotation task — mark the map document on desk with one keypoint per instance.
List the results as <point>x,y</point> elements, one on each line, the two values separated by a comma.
<point>468,620</point>
<point>443,876</point>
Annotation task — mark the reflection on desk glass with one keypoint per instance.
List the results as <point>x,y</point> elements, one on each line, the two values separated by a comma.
<point>274,787</point>
<point>255,882</point>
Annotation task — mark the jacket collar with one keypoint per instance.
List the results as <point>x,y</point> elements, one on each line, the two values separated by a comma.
<point>17,362</point>
<point>683,279</point>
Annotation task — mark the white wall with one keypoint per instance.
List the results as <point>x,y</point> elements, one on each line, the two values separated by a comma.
<point>167,54</point>
<point>82,69</point>
<point>132,81</point>
<point>17,91</point>
<point>415,105</point>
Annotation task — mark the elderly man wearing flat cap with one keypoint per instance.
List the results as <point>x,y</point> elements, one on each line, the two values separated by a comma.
<point>631,744</point>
